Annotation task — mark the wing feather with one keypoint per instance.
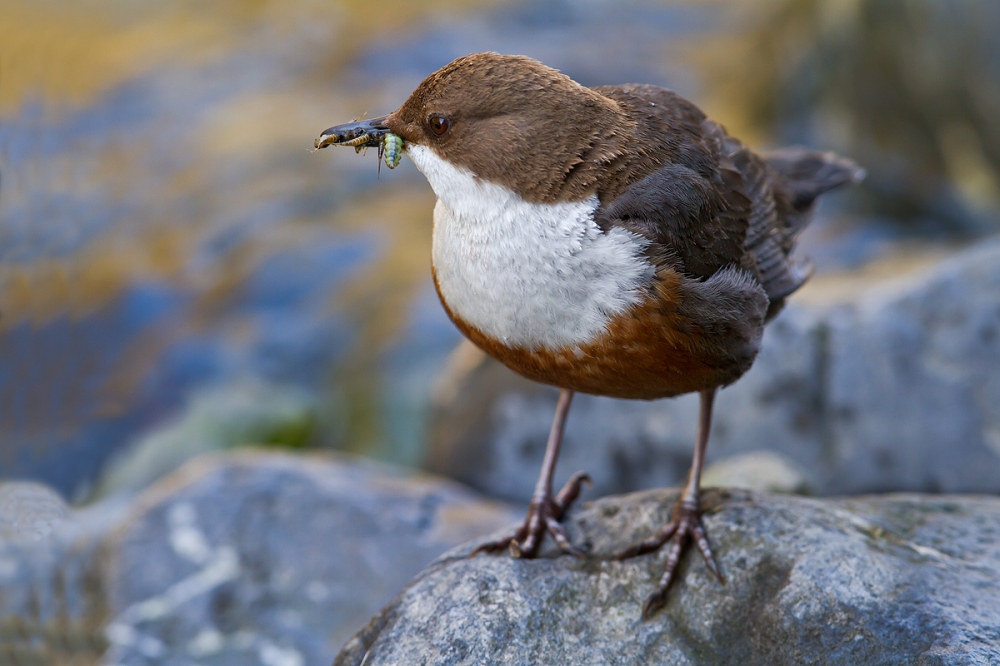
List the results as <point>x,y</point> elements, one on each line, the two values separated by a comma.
<point>706,201</point>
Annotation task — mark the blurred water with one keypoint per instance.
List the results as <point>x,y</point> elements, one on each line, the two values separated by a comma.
<point>166,227</point>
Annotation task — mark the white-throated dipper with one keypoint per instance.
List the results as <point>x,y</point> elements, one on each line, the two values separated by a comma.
<point>608,240</point>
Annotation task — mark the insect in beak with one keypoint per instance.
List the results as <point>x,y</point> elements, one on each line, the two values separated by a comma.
<point>357,134</point>
<point>361,134</point>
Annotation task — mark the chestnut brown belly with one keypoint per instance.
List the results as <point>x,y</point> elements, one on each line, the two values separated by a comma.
<point>649,352</point>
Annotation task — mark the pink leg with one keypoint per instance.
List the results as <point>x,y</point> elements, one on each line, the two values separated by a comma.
<point>545,511</point>
<point>685,523</point>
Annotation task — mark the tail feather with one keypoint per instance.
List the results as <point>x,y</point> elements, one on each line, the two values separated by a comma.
<point>810,173</point>
<point>782,187</point>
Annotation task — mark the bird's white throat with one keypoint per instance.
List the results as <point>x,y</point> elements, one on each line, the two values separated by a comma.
<point>530,275</point>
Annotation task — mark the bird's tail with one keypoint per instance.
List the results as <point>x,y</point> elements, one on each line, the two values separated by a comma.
<point>810,173</point>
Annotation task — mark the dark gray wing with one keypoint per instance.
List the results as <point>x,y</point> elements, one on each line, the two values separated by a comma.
<point>676,188</point>
<point>706,201</point>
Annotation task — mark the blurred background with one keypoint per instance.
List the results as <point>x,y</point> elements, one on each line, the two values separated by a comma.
<point>180,273</point>
<point>172,254</point>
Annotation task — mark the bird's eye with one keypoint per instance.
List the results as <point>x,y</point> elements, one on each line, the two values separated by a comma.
<point>439,124</point>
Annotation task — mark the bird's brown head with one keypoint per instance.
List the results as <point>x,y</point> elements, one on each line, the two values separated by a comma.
<point>512,121</point>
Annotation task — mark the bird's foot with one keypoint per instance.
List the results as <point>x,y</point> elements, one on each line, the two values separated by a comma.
<point>685,525</point>
<point>543,516</point>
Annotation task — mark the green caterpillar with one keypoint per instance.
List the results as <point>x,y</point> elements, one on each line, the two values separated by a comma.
<point>391,149</point>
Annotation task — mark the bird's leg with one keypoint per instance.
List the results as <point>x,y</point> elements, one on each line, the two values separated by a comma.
<point>685,522</point>
<point>545,510</point>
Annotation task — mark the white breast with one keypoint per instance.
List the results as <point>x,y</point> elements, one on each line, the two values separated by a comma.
<point>531,275</point>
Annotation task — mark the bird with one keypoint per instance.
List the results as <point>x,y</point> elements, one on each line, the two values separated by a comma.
<point>611,240</point>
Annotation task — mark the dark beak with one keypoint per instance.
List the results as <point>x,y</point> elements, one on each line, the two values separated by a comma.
<point>358,134</point>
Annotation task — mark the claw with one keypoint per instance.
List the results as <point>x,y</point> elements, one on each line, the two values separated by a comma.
<point>529,546</point>
<point>543,517</point>
<point>684,527</point>
<point>650,544</point>
<point>558,533</point>
<point>569,492</point>
<point>503,542</point>
<point>701,540</point>
<point>653,603</point>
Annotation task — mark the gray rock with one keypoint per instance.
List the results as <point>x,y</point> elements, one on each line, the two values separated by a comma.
<point>53,605</point>
<point>895,388</point>
<point>765,471</point>
<point>913,388</point>
<point>29,511</point>
<point>269,559</point>
<point>237,558</point>
<point>904,579</point>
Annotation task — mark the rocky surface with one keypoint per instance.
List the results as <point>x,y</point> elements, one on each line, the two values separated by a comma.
<point>242,558</point>
<point>863,384</point>
<point>904,579</point>
<point>53,603</point>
